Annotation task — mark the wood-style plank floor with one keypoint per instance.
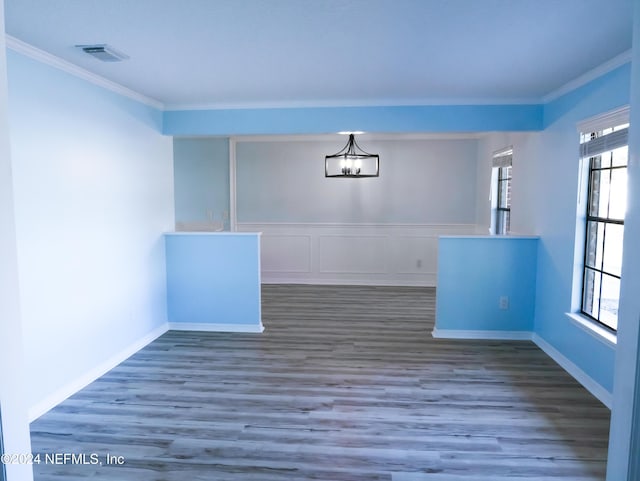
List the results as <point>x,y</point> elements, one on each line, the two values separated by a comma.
<point>345,384</point>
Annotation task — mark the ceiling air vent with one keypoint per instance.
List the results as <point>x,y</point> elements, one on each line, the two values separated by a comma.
<point>104,52</point>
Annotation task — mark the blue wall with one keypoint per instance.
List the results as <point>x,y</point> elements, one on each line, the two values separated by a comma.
<point>559,225</point>
<point>551,209</point>
<point>610,89</point>
<point>214,278</point>
<point>475,272</point>
<point>434,118</point>
<point>546,188</point>
<point>201,180</point>
<point>93,194</point>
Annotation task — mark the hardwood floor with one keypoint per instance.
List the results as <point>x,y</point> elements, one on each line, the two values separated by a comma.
<point>345,384</point>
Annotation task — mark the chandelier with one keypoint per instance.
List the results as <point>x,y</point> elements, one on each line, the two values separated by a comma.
<point>352,161</point>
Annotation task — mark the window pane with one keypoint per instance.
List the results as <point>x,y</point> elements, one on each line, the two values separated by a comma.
<point>605,160</point>
<point>594,244</point>
<point>620,156</point>
<point>591,293</point>
<point>599,201</point>
<point>505,173</point>
<point>503,194</point>
<point>613,249</point>
<point>618,202</point>
<point>503,221</point>
<point>609,301</point>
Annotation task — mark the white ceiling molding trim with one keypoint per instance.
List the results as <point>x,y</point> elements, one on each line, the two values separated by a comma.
<point>56,62</point>
<point>614,63</point>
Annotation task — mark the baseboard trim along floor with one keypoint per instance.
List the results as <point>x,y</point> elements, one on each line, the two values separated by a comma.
<point>604,396</point>
<point>482,334</point>
<point>206,327</point>
<point>73,387</point>
<point>100,370</point>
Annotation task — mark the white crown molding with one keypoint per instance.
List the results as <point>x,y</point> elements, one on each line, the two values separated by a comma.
<point>614,63</point>
<point>66,66</point>
<point>419,102</point>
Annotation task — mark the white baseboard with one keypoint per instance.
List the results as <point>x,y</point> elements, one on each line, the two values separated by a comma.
<point>73,387</point>
<point>604,396</point>
<point>201,326</point>
<point>266,279</point>
<point>484,334</point>
<point>578,374</point>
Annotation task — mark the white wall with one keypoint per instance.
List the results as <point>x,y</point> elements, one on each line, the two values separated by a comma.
<point>355,231</point>
<point>93,194</point>
<point>201,181</point>
<point>15,428</point>
<point>524,184</point>
<point>421,182</point>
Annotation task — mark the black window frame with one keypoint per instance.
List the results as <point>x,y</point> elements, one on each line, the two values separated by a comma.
<point>503,214</point>
<point>591,220</point>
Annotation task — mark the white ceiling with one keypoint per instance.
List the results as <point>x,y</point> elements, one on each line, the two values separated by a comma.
<point>245,53</point>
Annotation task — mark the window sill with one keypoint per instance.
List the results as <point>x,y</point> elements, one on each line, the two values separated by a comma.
<point>590,327</point>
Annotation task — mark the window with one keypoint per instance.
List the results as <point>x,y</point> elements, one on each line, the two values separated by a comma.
<point>503,210</point>
<point>606,154</point>
<point>502,167</point>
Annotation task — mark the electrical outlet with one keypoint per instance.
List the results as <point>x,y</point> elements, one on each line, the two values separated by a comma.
<point>419,264</point>
<point>504,303</point>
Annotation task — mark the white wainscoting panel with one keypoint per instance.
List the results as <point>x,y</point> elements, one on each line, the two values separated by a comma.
<point>360,254</point>
<point>353,254</point>
<point>290,253</point>
<point>416,255</point>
